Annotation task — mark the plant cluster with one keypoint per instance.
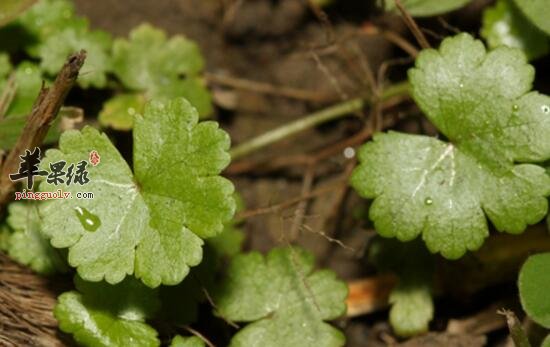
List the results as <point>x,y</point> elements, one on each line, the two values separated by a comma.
<point>150,246</point>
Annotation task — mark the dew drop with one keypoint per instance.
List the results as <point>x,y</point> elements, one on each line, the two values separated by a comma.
<point>88,220</point>
<point>461,85</point>
<point>428,201</point>
<point>545,109</point>
<point>515,107</point>
<point>131,111</point>
<point>349,152</point>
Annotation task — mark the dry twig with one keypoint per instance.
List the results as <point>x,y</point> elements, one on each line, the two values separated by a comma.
<point>43,113</point>
<point>413,27</point>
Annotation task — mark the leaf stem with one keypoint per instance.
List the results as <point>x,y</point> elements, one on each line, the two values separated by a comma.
<point>517,333</point>
<point>312,120</point>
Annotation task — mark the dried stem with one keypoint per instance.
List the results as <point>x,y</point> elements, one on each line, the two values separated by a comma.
<point>274,208</point>
<point>7,95</point>
<point>199,335</point>
<point>413,27</point>
<point>516,331</point>
<point>43,113</point>
<point>300,211</point>
<point>265,88</point>
<point>310,121</point>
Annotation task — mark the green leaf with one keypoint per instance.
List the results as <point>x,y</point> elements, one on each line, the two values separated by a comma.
<point>426,8</point>
<point>537,12</point>
<point>180,303</point>
<point>192,341</point>
<point>412,304</point>
<point>496,128</point>
<point>533,283</point>
<point>152,222</point>
<point>27,245</point>
<point>284,298</point>
<point>504,24</point>
<point>119,111</point>
<point>48,17</point>
<point>28,80</point>
<point>412,309</point>
<point>230,241</point>
<point>546,342</point>
<point>59,32</point>
<point>56,48</point>
<point>10,9</point>
<point>162,68</point>
<point>101,315</point>
<point>10,129</point>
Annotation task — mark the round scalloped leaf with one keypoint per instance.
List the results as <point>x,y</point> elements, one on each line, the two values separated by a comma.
<point>412,304</point>
<point>119,111</point>
<point>284,298</point>
<point>150,222</point>
<point>162,68</point>
<point>27,245</point>
<point>56,48</point>
<point>504,24</point>
<point>537,11</point>
<point>47,17</point>
<point>426,8</point>
<point>412,308</point>
<point>534,288</point>
<point>496,128</point>
<point>102,315</point>
<point>58,32</point>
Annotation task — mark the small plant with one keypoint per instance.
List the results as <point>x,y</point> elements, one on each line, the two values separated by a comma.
<point>286,301</point>
<point>173,199</point>
<point>496,127</point>
<point>134,244</point>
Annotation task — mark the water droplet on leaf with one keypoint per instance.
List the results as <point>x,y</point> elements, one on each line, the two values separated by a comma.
<point>515,107</point>
<point>88,220</point>
<point>428,201</point>
<point>545,109</point>
<point>461,85</point>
